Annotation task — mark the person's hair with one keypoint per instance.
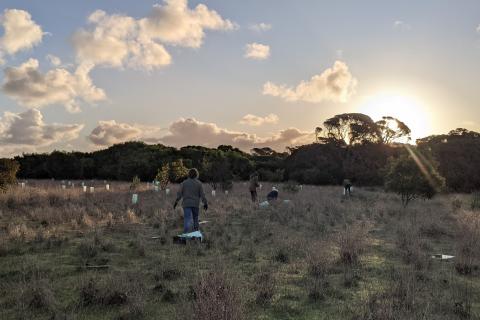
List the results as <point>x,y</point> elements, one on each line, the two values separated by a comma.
<point>193,173</point>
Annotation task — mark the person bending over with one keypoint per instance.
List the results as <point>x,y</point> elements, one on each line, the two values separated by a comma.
<point>272,195</point>
<point>191,192</point>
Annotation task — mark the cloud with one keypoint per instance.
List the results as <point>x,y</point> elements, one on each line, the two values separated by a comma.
<point>260,27</point>
<point>122,41</point>
<point>20,32</point>
<point>253,120</point>
<point>334,84</point>
<point>184,132</point>
<point>174,23</point>
<point>109,40</point>
<point>402,25</point>
<point>111,132</point>
<point>257,51</point>
<point>286,138</point>
<point>478,28</point>
<point>31,88</point>
<point>192,132</point>
<point>54,60</point>
<point>27,131</point>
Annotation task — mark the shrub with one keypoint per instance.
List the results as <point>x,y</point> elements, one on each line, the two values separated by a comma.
<point>281,255</point>
<point>135,183</point>
<point>456,204</point>
<point>468,244</point>
<point>178,171</point>
<point>291,186</point>
<point>475,203</point>
<point>264,287</point>
<point>351,243</point>
<point>216,298</point>
<point>113,290</point>
<point>8,173</point>
<point>319,263</point>
<point>412,176</point>
<point>38,295</point>
<point>163,176</point>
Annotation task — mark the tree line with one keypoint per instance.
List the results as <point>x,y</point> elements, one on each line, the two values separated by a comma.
<point>349,145</point>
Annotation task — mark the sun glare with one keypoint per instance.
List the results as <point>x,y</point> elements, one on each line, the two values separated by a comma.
<point>407,109</point>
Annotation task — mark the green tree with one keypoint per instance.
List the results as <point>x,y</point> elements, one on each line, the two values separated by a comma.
<point>8,173</point>
<point>458,156</point>
<point>163,176</point>
<point>413,176</point>
<point>392,129</point>
<point>351,128</point>
<point>178,171</point>
<point>217,172</point>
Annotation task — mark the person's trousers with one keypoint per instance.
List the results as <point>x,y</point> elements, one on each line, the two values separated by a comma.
<point>189,214</point>
<point>348,189</point>
<point>253,193</point>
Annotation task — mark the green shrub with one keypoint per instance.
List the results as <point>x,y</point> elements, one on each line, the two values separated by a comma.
<point>413,176</point>
<point>8,173</point>
<point>163,176</point>
<point>291,186</point>
<point>475,204</point>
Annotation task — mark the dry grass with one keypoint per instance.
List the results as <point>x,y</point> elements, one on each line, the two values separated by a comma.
<point>216,297</point>
<point>319,256</point>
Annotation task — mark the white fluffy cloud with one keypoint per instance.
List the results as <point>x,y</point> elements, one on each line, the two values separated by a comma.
<point>286,138</point>
<point>110,132</point>
<point>334,84</point>
<point>20,32</point>
<point>478,28</point>
<point>27,131</point>
<point>253,120</point>
<point>30,87</point>
<point>175,23</point>
<point>257,51</point>
<point>193,132</point>
<point>123,41</point>
<point>261,27</point>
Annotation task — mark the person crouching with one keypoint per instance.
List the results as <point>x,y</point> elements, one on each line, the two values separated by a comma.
<point>272,195</point>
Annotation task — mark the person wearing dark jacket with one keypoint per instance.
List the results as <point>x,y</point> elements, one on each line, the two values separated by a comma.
<point>253,186</point>
<point>347,187</point>
<point>272,195</point>
<point>191,192</point>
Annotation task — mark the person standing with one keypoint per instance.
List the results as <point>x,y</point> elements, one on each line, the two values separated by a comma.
<point>347,187</point>
<point>191,192</point>
<point>253,186</point>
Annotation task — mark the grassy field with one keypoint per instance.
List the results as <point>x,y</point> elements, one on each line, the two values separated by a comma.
<point>65,254</point>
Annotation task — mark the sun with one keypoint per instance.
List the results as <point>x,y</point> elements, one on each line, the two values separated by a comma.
<point>405,108</point>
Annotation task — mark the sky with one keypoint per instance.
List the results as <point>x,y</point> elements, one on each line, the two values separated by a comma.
<point>83,75</point>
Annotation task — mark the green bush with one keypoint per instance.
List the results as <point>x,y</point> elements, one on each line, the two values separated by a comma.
<point>413,176</point>
<point>475,204</point>
<point>8,173</point>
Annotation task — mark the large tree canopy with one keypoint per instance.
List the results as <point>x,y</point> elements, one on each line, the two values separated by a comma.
<point>391,130</point>
<point>352,128</point>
